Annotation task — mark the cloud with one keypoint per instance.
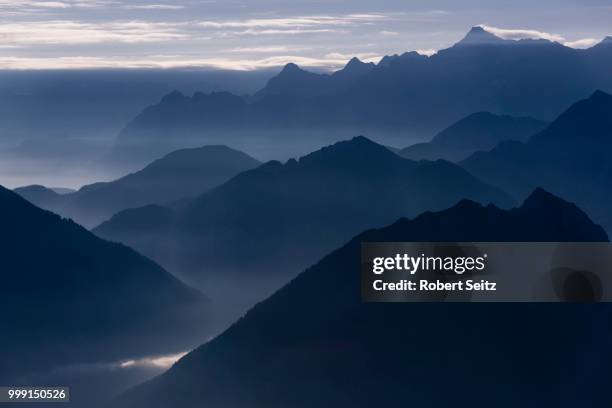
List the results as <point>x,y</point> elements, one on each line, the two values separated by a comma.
<point>52,4</point>
<point>263,49</point>
<point>154,7</point>
<point>341,59</point>
<point>75,32</point>
<point>584,43</point>
<point>294,22</point>
<point>291,25</point>
<point>33,6</point>
<point>389,33</point>
<point>153,362</point>
<point>428,51</point>
<point>329,61</point>
<point>298,31</point>
<point>520,34</point>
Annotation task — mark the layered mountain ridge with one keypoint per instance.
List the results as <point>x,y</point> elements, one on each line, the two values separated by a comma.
<point>179,175</point>
<point>270,222</point>
<point>316,334</point>
<point>476,132</point>
<point>571,158</point>
<point>69,297</point>
<point>392,101</point>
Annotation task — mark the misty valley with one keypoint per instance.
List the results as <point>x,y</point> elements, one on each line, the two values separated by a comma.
<point>192,237</point>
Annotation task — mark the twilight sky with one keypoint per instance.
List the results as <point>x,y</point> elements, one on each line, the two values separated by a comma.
<point>251,34</point>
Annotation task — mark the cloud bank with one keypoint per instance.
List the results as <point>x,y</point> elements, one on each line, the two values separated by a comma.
<point>522,34</point>
<point>74,34</point>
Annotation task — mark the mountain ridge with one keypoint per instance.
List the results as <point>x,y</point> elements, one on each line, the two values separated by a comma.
<point>179,174</point>
<point>390,99</point>
<point>53,267</point>
<point>316,334</point>
<point>281,217</point>
<point>475,132</point>
<point>570,157</point>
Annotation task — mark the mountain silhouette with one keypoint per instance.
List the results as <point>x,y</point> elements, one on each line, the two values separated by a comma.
<point>396,60</point>
<point>176,176</point>
<point>571,158</point>
<point>476,132</point>
<point>314,343</point>
<point>39,195</point>
<point>276,219</point>
<point>410,94</point>
<point>478,36</point>
<point>292,80</point>
<point>69,297</point>
<point>296,82</point>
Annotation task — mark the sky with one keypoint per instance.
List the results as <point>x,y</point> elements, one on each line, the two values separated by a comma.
<point>254,34</point>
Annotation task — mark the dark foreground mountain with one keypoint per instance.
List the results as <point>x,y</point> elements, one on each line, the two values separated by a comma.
<point>479,131</point>
<point>68,297</point>
<point>179,175</point>
<point>406,96</point>
<point>278,218</point>
<point>315,344</point>
<point>572,158</point>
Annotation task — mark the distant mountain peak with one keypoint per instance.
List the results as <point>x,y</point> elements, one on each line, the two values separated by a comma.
<point>600,95</point>
<point>606,41</point>
<point>355,61</point>
<point>541,198</point>
<point>548,205</point>
<point>358,149</point>
<point>291,68</point>
<point>388,60</point>
<point>478,35</point>
<point>176,94</point>
<point>588,119</point>
<point>356,67</point>
<point>356,64</point>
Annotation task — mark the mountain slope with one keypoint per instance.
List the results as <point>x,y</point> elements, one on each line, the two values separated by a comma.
<point>571,158</point>
<point>181,174</point>
<point>476,132</point>
<point>403,95</point>
<point>313,343</point>
<point>69,297</point>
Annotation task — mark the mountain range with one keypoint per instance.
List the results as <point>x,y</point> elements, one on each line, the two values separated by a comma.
<point>277,218</point>
<point>403,98</point>
<point>314,343</point>
<point>39,104</point>
<point>69,297</point>
<point>177,176</point>
<point>476,132</point>
<point>571,158</point>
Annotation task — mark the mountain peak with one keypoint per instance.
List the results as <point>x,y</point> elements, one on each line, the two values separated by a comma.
<point>586,120</point>
<point>354,62</point>
<point>356,67</point>
<point>541,198</point>
<point>291,68</point>
<point>359,149</point>
<point>478,35</point>
<point>600,95</point>
<point>545,205</point>
<point>388,60</point>
<point>606,41</point>
<point>173,96</point>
